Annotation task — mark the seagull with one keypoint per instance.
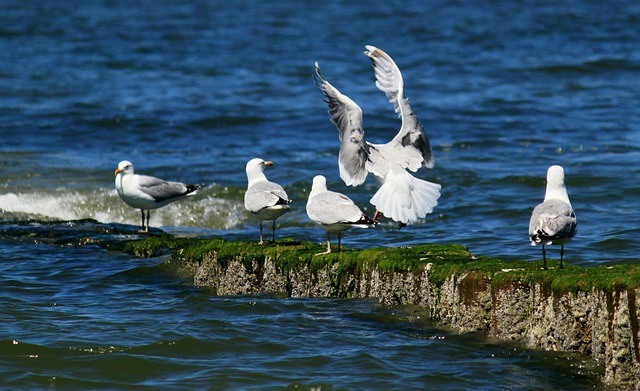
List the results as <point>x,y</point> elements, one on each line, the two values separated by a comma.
<point>553,221</point>
<point>335,212</point>
<point>146,192</point>
<point>402,197</point>
<point>266,199</point>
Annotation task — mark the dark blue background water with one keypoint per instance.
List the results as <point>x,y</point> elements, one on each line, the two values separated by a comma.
<point>192,90</point>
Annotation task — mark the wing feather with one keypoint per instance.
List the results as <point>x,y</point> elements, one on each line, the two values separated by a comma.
<point>161,190</point>
<point>411,135</point>
<point>347,116</point>
<point>263,195</point>
<point>332,208</point>
<point>551,221</point>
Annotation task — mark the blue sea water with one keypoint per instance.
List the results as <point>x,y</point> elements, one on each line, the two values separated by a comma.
<point>191,91</point>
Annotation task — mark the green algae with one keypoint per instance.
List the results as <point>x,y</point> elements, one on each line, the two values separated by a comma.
<point>574,278</point>
<point>446,260</point>
<point>149,247</point>
<point>289,254</point>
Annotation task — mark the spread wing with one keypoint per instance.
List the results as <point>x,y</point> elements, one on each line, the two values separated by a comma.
<point>347,116</point>
<point>411,144</point>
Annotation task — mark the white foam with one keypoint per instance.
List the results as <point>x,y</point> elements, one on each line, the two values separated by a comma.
<point>38,204</point>
<point>105,206</point>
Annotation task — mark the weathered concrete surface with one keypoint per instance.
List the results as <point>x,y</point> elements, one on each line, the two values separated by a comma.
<point>599,323</point>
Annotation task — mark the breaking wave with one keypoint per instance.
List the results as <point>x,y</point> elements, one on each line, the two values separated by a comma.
<point>213,207</point>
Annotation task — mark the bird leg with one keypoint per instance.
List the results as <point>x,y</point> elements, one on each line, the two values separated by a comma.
<point>144,229</point>
<point>378,215</point>
<point>261,241</point>
<point>339,241</point>
<point>544,257</point>
<point>328,245</point>
<point>561,255</point>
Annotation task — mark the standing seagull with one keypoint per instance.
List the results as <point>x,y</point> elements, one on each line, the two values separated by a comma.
<point>402,197</point>
<point>146,192</point>
<point>333,211</point>
<point>553,221</point>
<point>266,199</point>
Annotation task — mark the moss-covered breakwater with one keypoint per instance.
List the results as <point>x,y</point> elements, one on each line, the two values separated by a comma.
<point>590,310</point>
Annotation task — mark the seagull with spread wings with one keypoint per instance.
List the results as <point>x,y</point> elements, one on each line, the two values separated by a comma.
<point>401,197</point>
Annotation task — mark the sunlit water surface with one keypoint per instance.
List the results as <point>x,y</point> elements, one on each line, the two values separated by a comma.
<point>191,91</point>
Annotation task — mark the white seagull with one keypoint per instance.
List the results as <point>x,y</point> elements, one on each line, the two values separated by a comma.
<point>146,192</point>
<point>553,221</point>
<point>335,212</point>
<point>402,197</point>
<point>266,199</point>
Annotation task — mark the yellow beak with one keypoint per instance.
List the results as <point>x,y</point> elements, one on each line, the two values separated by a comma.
<point>268,163</point>
<point>118,171</point>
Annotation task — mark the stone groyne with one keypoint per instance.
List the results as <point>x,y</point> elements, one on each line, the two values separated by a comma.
<point>592,310</point>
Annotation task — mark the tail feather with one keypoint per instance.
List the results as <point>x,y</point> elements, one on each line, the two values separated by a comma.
<point>192,189</point>
<point>365,220</point>
<point>405,198</point>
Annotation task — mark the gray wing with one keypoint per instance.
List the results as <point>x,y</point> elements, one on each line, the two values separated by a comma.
<point>411,139</point>
<point>332,208</point>
<point>263,195</point>
<point>552,220</point>
<point>161,190</point>
<point>347,116</point>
